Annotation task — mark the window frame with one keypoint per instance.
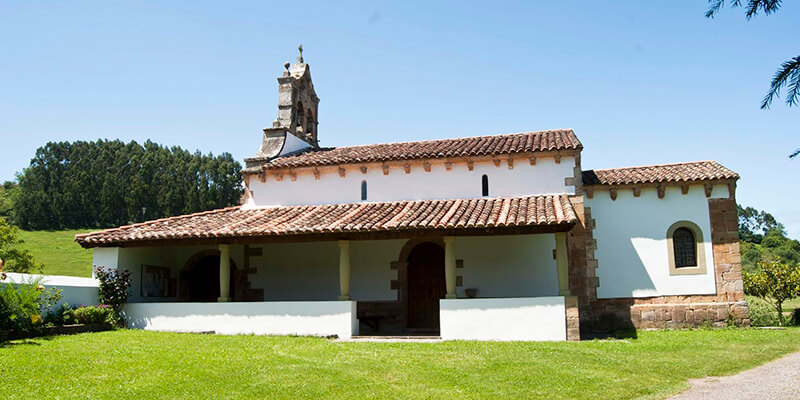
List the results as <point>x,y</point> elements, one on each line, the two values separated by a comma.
<point>699,246</point>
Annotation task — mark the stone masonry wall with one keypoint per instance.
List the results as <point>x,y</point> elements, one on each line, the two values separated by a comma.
<point>727,306</point>
<point>583,281</point>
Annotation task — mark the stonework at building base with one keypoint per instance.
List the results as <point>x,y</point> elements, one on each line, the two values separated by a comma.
<point>667,312</point>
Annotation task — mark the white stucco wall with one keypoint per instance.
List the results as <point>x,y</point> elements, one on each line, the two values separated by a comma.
<point>498,266</point>
<point>546,177</point>
<point>317,318</point>
<point>508,266</point>
<point>540,318</point>
<point>632,251</point>
<point>75,291</point>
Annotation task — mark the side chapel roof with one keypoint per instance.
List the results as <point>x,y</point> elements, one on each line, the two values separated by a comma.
<point>686,172</point>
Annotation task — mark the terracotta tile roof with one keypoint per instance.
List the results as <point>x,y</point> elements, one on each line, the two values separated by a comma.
<point>340,219</point>
<point>463,147</point>
<point>681,172</point>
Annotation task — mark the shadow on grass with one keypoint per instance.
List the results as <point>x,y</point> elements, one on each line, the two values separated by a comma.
<point>24,342</point>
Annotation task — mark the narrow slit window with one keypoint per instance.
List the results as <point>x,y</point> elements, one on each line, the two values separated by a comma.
<point>484,185</point>
<point>363,190</point>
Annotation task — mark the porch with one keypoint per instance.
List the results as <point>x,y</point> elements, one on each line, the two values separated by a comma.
<point>500,287</point>
<point>492,268</point>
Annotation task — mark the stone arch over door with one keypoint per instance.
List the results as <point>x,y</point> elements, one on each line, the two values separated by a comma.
<point>199,277</point>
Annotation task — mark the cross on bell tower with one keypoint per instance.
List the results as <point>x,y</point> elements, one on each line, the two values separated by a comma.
<point>298,103</point>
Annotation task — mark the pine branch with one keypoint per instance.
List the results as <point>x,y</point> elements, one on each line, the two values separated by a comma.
<point>794,154</point>
<point>752,8</point>
<point>789,72</point>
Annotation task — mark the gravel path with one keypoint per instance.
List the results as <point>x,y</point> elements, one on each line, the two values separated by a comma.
<point>779,379</point>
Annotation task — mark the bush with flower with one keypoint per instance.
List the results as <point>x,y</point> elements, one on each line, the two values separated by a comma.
<point>113,289</point>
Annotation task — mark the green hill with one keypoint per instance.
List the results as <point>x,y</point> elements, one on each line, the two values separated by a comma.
<point>58,252</point>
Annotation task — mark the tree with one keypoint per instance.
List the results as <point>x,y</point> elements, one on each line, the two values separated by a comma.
<point>14,258</point>
<point>775,282</point>
<point>755,224</point>
<point>8,196</point>
<point>110,183</point>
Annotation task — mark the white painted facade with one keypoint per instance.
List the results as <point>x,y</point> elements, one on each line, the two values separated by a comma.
<point>631,234</point>
<point>521,318</point>
<point>310,318</point>
<point>545,177</point>
<point>497,266</point>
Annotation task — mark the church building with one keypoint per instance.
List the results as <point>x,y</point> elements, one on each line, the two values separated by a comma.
<point>502,237</point>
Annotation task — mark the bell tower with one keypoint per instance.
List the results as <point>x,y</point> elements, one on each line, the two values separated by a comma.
<point>298,103</point>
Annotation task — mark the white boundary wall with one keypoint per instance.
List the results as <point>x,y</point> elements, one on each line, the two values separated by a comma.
<point>314,318</point>
<point>74,290</point>
<point>522,318</point>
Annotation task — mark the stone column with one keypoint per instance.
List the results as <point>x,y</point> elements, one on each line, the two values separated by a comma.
<point>344,270</point>
<point>562,265</point>
<point>224,273</point>
<point>450,266</point>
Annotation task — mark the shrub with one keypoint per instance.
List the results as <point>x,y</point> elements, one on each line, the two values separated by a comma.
<point>94,314</point>
<point>774,282</point>
<point>114,286</point>
<point>61,315</point>
<point>22,304</point>
<point>796,317</point>
<point>761,312</point>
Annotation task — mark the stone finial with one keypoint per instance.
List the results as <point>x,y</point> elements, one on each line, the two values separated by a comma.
<point>286,65</point>
<point>300,55</point>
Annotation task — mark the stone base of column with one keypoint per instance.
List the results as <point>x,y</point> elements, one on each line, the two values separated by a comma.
<point>451,296</point>
<point>343,298</point>
<point>223,299</point>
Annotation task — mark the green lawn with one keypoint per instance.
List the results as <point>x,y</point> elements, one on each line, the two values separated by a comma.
<point>136,364</point>
<point>791,305</point>
<point>58,252</point>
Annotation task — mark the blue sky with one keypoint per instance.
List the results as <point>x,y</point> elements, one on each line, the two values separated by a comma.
<point>639,82</point>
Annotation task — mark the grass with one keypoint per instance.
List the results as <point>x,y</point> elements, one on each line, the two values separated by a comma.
<point>791,305</point>
<point>58,252</point>
<point>136,364</point>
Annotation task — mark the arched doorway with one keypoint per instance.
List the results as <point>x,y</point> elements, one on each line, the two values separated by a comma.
<point>199,280</point>
<point>426,286</point>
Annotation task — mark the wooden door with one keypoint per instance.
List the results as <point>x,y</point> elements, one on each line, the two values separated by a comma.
<point>426,286</point>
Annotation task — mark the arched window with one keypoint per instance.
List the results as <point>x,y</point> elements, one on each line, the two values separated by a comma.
<point>363,190</point>
<point>686,249</point>
<point>299,118</point>
<point>309,121</point>
<point>484,185</point>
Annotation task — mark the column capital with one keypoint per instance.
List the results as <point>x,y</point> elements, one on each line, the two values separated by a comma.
<point>224,247</point>
<point>344,243</point>
<point>449,239</point>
